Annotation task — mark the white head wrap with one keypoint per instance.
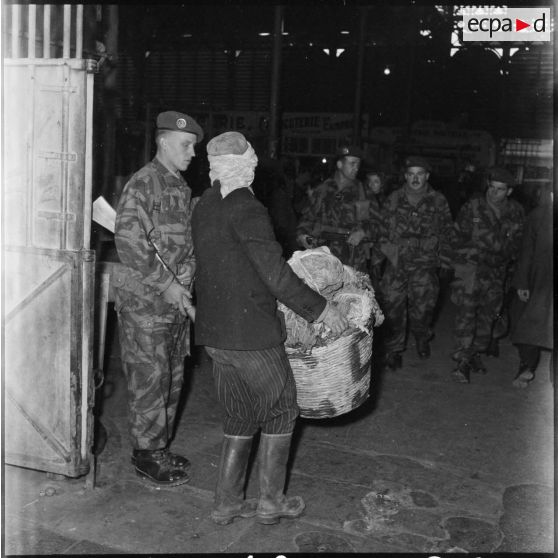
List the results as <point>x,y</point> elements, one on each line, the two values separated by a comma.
<point>233,171</point>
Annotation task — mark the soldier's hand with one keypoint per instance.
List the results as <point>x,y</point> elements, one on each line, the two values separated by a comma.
<point>335,320</point>
<point>306,241</point>
<point>186,274</point>
<point>446,274</point>
<point>523,294</point>
<point>355,238</point>
<point>179,296</point>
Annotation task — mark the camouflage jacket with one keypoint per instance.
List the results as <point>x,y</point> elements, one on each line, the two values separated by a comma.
<point>154,210</point>
<point>332,214</point>
<point>415,236</point>
<point>483,238</point>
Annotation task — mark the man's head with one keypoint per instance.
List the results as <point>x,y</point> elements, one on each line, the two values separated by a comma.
<point>348,161</point>
<point>232,161</point>
<point>373,179</point>
<point>417,172</point>
<point>500,184</point>
<point>228,143</point>
<point>176,136</point>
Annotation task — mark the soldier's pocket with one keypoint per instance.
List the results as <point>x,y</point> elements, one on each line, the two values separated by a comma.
<point>139,345</point>
<point>457,292</point>
<point>172,228</point>
<point>362,210</point>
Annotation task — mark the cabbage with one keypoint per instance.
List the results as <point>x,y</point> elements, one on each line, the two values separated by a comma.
<point>349,290</point>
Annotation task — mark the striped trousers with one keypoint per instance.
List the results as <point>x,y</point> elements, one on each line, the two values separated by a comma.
<point>256,389</point>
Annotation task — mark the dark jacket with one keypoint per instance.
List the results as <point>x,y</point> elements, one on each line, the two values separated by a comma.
<point>241,273</point>
<point>532,321</point>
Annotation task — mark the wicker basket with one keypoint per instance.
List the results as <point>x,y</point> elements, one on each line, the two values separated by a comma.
<point>334,379</point>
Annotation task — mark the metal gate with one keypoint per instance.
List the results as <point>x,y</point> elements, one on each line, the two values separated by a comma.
<point>48,266</point>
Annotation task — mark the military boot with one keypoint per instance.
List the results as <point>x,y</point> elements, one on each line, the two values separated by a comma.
<point>423,347</point>
<point>155,466</point>
<point>493,349</point>
<point>523,376</point>
<point>175,460</point>
<point>229,493</point>
<point>273,457</point>
<point>393,361</point>
<point>462,371</point>
<point>476,364</point>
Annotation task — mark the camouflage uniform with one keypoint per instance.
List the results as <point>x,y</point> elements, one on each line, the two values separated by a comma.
<point>416,241</point>
<point>154,209</point>
<point>485,247</point>
<point>332,214</point>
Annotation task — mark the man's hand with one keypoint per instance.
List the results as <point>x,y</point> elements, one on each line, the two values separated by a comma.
<point>376,273</point>
<point>335,320</point>
<point>446,274</point>
<point>355,238</point>
<point>306,241</point>
<point>523,294</point>
<point>179,296</point>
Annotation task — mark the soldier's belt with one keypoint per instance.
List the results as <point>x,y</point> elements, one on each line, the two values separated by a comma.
<point>408,242</point>
<point>428,243</point>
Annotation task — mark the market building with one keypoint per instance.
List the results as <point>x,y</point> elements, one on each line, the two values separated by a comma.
<point>420,464</point>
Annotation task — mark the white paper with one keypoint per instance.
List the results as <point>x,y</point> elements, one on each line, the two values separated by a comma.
<point>104,214</point>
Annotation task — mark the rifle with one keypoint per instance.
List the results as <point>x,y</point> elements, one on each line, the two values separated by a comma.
<point>501,323</point>
<point>329,233</point>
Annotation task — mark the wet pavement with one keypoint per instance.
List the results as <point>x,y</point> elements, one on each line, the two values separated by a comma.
<point>425,465</point>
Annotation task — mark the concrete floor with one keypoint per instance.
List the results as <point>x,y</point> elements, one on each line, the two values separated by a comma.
<point>425,465</point>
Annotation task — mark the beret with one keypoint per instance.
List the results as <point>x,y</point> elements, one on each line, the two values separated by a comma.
<point>228,143</point>
<point>415,161</point>
<point>349,151</point>
<point>178,122</point>
<point>498,174</point>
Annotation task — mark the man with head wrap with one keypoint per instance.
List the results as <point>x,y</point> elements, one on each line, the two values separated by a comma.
<point>239,278</point>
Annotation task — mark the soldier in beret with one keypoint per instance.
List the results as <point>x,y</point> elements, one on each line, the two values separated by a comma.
<point>152,287</point>
<point>415,241</point>
<point>489,230</point>
<point>240,276</point>
<point>338,215</point>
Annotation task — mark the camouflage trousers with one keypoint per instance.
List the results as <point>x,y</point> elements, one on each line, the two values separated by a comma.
<point>477,308</point>
<point>408,296</point>
<point>153,356</point>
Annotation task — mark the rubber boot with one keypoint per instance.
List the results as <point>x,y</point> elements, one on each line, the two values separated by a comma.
<point>273,457</point>
<point>229,492</point>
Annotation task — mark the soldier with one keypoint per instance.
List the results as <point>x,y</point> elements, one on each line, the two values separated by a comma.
<point>488,238</point>
<point>339,213</point>
<point>152,285</point>
<point>374,183</point>
<point>374,188</point>
<point>415,239</point>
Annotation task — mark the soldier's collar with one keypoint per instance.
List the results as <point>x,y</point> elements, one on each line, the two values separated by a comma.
<point>164,170</point>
